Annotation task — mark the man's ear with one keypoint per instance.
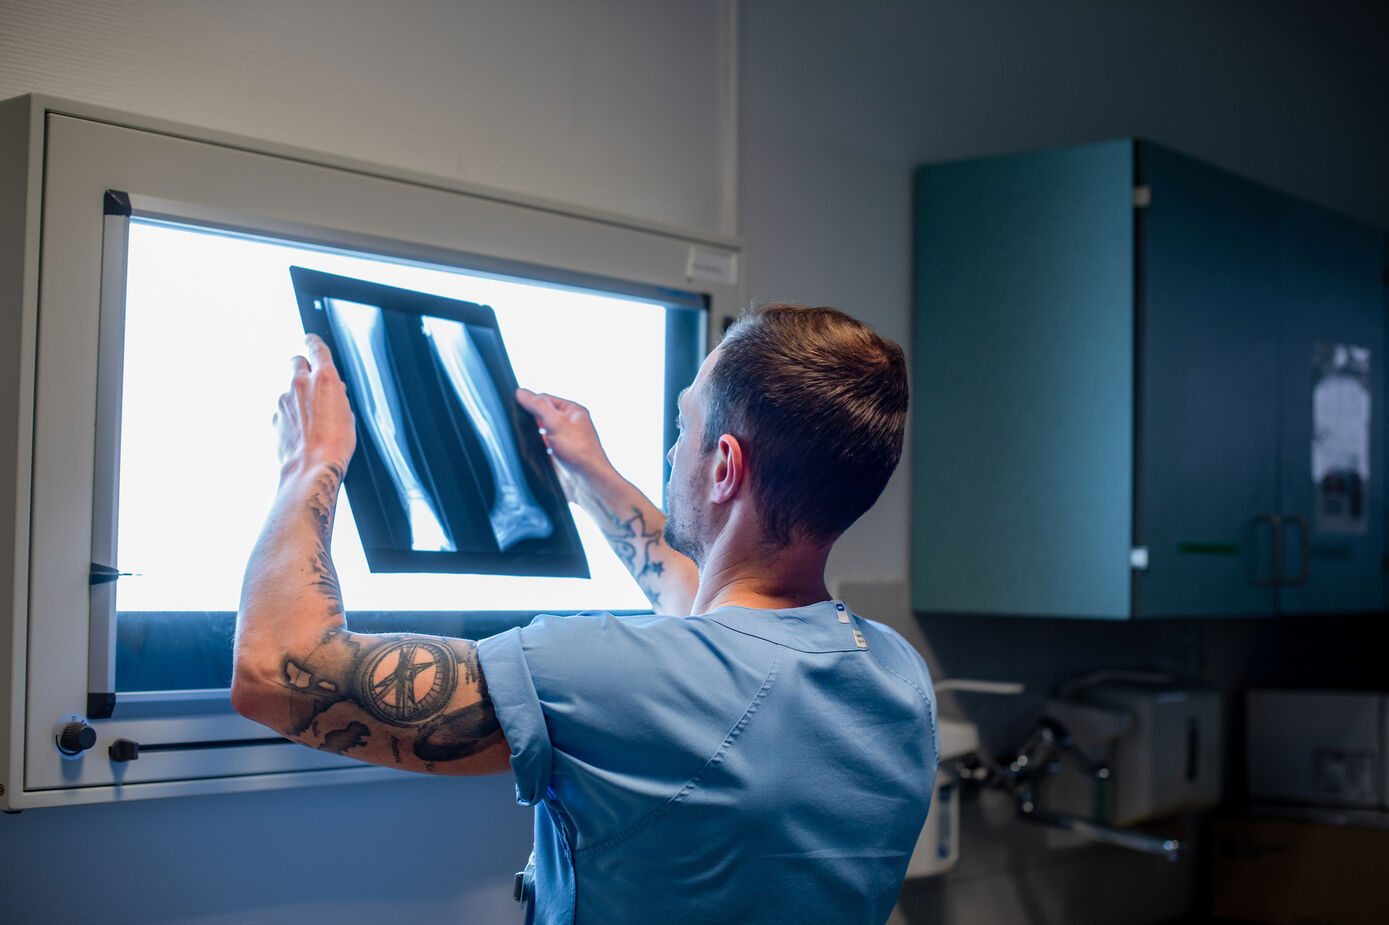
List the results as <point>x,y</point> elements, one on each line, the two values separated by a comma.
<point>730,470</point>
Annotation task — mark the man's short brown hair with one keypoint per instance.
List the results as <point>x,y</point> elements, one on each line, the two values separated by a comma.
<point>819,402</point>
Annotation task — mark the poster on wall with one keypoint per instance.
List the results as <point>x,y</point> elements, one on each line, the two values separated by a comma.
<point>1340,437</point>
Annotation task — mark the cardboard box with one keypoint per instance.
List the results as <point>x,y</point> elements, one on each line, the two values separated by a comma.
<point>1316,747</point>
<point>1300,872</point>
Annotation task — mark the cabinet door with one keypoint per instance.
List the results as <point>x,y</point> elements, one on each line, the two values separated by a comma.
<point>1332,374</point>
<point>1209,334</point>
<point>1022,392</point>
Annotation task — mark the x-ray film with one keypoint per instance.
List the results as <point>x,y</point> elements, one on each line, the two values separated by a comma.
<point>450,475</point>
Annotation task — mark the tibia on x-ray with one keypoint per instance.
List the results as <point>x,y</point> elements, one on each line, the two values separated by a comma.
<point>515,516</point>
<point>361,336</point>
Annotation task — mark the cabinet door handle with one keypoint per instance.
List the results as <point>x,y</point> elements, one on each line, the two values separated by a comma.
<point>1305,569</point>
<point>1276,523</point>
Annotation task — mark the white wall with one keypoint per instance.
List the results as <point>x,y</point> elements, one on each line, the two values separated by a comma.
<point>618,105</point>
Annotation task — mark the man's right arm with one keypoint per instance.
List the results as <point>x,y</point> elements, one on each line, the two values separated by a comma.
<point>632,524</point>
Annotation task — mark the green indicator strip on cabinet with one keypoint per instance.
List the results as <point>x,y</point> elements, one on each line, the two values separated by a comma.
<point>1208,549</point>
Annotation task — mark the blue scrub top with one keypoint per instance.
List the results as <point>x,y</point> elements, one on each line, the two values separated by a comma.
<point>742,765</point>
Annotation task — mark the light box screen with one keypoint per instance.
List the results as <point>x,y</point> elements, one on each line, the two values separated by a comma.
<point>211,321</point>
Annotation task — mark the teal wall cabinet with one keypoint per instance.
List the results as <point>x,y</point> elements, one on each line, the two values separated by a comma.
<point>1143,387</point>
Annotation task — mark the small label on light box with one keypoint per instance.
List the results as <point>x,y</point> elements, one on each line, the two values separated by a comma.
<point>709,264</point>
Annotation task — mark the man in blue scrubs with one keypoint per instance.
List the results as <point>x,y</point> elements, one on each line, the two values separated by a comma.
<point>752,752</point>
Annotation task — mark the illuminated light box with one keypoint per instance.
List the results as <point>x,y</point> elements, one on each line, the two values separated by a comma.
<point>449,475</point>
<point>452,520</point>
<point>151,316</point>
<point>559,336</point>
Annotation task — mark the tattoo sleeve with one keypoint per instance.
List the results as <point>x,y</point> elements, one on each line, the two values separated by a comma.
<point>322,503</point>
<point>352,689</point>
<point>356,692</point>
<point>639,546</point>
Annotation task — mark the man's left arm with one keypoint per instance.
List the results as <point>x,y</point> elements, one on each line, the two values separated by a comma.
<point>401,700</point>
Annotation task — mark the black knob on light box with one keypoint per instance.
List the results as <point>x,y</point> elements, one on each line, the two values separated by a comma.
<point>75,736</point>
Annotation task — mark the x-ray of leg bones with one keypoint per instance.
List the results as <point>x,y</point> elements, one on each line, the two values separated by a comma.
<point>361,334</point>
<point>449,475</point>
<point>515,516</point>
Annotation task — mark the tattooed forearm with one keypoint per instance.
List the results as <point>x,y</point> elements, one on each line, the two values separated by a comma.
<point>411,701</point>
<point>406,682</point>
<point>325,579</point>
<point>322,503</point>
<point>324,499</point>
<point>638,546</point>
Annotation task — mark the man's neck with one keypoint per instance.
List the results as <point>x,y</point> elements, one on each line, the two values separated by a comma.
<point>776,580</point>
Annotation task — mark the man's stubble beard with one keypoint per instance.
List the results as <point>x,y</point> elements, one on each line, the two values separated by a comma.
<point>678,539</point>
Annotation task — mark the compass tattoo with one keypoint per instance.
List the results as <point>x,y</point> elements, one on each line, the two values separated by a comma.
<point>407,682</point>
